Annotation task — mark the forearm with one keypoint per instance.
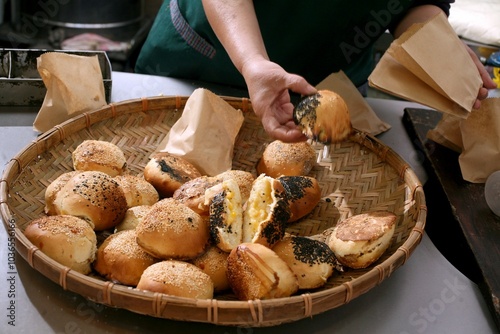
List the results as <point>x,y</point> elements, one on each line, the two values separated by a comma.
<point>236,26</point>
<point>416,15</point>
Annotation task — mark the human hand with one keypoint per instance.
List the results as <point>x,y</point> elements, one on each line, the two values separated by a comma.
<point>268,86</point>
<point>488,83</point>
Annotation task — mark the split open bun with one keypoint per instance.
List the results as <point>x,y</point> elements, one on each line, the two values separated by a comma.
<point>194,194</point>
<point>98,155</point>
<point>312,261</point>
<point>261,219</point>
<point>303,194</point>
<point>167,172</point>
<point>266,212</point>
<point>120,259</point>
<point>171,230</point>
<point>360,240</point>
<point>226,216</point>
<point>280,158</point>
<point>177,278</point>
<point>69,240</point>
<point>94,196</point>
<point>255,271</point>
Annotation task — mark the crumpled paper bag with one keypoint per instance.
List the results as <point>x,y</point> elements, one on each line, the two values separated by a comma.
<point>205,133</point>
<point>428,64</point>
<point>447,133</point>
<point>362,115</point>
<point>481,142</point>
<point>74,85</point>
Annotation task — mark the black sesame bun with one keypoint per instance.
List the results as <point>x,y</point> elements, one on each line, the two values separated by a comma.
<point>323,117</point>
<point>312,261</point>
<point>94,196</point>
<point>226,216</point>
<point>303,194</point>
<point>266,212</point>
<point>167,172</point>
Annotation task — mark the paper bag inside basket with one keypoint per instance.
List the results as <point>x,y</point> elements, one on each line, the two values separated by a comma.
<point>205,133</point>
<point>481,142</point>
<point>428,64</point>
<point>362,115</point>
<point>74,85</point>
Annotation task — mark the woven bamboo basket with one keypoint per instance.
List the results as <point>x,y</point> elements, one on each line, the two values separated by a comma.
<point>357,175</point>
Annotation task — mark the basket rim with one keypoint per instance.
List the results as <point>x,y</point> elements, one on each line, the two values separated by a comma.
<point>67,278</point>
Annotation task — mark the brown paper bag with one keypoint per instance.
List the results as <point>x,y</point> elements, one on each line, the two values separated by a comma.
<point>428,64</point>
<point>447,133</point>
<point>362,115</point>
<point>205,133</point>
<point>74,85</point>
<point>481,142</point>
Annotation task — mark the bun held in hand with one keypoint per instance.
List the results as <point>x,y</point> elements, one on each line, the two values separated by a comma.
<point>323,117</point>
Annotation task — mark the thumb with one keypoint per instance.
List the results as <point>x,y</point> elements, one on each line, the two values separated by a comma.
<point>299,85</point>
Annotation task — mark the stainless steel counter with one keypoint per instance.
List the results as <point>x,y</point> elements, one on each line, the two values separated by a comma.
<point>426,295</point>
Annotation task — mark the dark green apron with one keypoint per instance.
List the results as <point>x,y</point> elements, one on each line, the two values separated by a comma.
<point>312,38</point>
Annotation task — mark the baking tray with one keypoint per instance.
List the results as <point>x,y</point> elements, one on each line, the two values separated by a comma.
<point>21,84</point>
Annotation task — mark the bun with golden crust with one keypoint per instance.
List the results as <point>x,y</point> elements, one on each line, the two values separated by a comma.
<point>94,196</point>
<point>132,218</point>
<point>171,230</point>
<point>312,261</point>
<point>98,155</point>
<point>255,271</point>
<point>137,190</point>
<point>280,158</point>
<point>120,259</point>
<point>177,278</point>
<point>360,240</point>
<point>52,190</point>
<point>214,263</point>
<point>167,172</point>
<point>303,194</point>
<point>69,240</point>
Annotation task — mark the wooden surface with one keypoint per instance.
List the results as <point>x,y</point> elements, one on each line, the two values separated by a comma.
<point>480,227</point>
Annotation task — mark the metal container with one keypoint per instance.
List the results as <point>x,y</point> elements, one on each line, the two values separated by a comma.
<point>87,14</point>
<point>21,84</point>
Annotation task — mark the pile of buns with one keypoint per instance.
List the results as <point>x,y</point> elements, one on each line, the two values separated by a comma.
<point>175,231</point>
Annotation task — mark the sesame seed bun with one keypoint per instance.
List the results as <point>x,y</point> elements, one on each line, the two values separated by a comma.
<point>280,158</point>
<point>69,240</point>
